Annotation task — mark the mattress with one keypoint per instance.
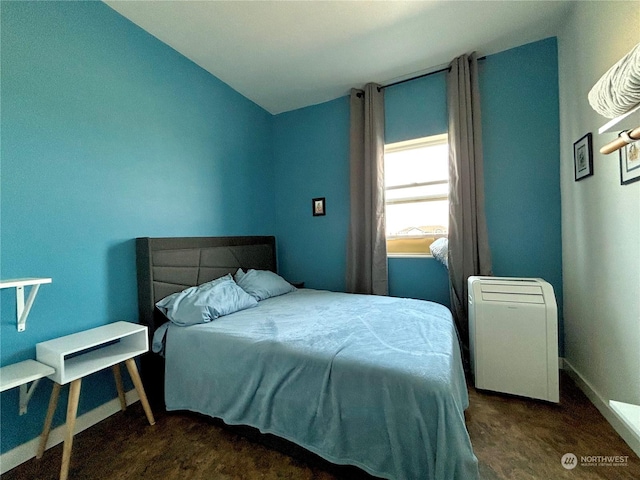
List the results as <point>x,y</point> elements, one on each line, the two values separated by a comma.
<point>375,382</point>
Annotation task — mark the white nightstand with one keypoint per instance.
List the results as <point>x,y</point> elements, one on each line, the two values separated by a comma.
<point>80,354</point>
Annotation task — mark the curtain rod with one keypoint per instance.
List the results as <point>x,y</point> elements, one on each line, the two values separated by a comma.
<point>420,76</point>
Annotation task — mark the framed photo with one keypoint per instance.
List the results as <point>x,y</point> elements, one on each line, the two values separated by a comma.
<point>318,208</point>
<point>630,163</point>
<point>583,157</point>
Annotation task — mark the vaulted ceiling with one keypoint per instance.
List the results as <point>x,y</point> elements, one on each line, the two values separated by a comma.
<point>285,55</point>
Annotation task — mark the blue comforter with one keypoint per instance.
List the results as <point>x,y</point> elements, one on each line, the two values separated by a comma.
<point>375,382</point>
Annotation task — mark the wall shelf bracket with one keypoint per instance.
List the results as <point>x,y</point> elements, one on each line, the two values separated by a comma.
<point>19,375</point>
<point>25,395</point>
<point>22,308</point>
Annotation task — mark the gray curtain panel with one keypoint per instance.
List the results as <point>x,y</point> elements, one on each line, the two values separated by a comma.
<point>468,240</point>
<point>367,244</point>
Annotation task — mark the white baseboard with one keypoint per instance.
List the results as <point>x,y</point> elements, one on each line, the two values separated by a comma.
<point>603,406</point>
<point>27,451</point>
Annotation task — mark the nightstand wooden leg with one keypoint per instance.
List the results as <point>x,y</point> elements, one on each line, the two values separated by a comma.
<point>53,403</point>
<point>118,378</point>
<point>72,410</point>
<point>137,382</point>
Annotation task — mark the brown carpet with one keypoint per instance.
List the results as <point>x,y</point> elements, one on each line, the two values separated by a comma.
<point>513,438</point>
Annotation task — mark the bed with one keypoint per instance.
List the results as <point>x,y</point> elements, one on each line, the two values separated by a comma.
<point>374,382</point>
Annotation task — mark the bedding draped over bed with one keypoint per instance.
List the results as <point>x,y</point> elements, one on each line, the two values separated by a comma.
<point>375,382</point>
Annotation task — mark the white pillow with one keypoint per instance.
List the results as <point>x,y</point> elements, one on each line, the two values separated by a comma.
<point>440,250</point>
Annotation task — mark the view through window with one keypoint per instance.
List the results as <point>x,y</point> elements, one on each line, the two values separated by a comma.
<point>417,194</point>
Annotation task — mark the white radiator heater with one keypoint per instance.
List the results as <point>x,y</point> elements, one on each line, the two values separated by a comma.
<point>513,336</point>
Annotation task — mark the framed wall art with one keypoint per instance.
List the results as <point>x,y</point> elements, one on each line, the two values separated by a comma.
<point>630,163</point>
<point>583,157</point>
<point>318,207</point>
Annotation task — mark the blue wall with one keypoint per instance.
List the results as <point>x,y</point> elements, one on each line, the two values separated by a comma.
<point>521,141</point>
<point>107,135</point>
<point>519,95</point>
<point>311,150</point>
<point>416,109</point>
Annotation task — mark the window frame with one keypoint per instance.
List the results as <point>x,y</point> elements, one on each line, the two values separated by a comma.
<point>431,140</point>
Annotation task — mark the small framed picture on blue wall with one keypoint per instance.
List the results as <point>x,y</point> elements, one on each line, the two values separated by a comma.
<point>583,157</point>
<point>317,205</point>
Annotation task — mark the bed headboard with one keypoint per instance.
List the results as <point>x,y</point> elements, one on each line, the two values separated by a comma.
<point>169,265</point>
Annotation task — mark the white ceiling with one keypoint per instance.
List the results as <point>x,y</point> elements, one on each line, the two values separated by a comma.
<point>285,55</point>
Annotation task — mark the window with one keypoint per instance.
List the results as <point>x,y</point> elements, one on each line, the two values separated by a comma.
<point>417,194</point>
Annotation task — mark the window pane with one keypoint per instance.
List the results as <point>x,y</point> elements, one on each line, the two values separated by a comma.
<point>425,192</point>
<point>416,214</point>
<point>418,165</point>
<point>420,218</point>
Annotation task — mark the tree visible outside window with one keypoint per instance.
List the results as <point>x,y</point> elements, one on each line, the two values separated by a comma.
<point>417,194</point>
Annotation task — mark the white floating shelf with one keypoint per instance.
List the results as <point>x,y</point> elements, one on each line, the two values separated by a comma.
<point>22,309</point>
<point>23,282</point>
<point>629,120</point>
<point>23,372</point>
<point>19,375</point>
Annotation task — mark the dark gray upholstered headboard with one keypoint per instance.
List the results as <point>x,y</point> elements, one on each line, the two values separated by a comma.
<point>169,265</point>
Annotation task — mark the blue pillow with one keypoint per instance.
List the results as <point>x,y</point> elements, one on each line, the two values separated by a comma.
<point>238,275</point>
<point>206,302</point>
<point>263,284</point>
